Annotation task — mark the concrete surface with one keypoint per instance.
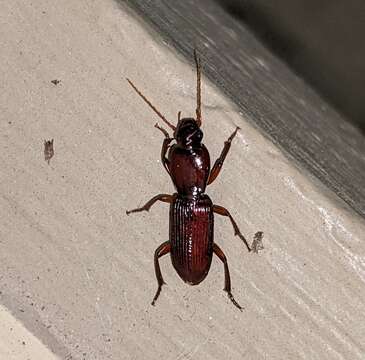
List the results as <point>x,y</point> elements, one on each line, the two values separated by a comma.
<point>78,273</point>
<point>17,343</point>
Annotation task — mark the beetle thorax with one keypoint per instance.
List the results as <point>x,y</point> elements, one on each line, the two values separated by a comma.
<point>189,168</point>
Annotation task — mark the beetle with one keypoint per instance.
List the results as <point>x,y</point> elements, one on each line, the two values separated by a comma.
<point>191,242</point>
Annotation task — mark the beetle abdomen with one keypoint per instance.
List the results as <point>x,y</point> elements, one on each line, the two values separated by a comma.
<point>191,237</point>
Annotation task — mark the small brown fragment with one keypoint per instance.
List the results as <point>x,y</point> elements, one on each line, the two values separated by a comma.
<point>55,82</point>
<point>48,150</point>
<point>257,242</point>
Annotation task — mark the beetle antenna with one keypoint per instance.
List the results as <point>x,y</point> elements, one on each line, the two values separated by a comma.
<point>198,89</point>
<point>179,115</point>
<point>151,106</point>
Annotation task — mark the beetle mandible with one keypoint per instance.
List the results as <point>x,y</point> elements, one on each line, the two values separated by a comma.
<point>191,244</point>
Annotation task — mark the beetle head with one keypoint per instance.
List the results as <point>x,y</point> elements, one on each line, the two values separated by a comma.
<point>187,132</point>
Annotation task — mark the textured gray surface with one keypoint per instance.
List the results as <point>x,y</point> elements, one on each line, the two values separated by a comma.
<point>269,94</point>
<point>321,39</point>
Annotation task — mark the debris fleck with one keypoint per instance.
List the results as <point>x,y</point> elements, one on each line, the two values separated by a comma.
<point>48,150</point>
<point>55,81</point>
<point>257,242</point>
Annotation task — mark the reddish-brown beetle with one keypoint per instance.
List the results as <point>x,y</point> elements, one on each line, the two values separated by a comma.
<point>191,242</point>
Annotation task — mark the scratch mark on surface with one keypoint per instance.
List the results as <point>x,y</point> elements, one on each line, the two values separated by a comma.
<point>189,354</point>
<point>98,311</point>
<point>333,224</point>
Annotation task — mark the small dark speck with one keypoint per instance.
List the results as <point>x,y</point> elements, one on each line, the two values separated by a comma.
<point>48,150</point>
<point>23,342</point>
<point>55,82</point>
<point>43,307</point>
<point>21,310</point>
<point>9,122</point>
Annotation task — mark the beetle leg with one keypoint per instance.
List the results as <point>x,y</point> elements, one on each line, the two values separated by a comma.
<point>162,197</point>
<point>224,212</point>
<point>165,146</point>
<point>162,250</point>
<point>227,279</point>
<point>219,162</point>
